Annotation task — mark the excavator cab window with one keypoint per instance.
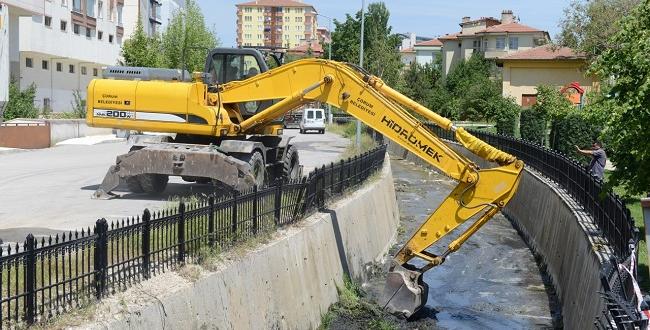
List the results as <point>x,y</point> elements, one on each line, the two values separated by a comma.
<point>230,67</point>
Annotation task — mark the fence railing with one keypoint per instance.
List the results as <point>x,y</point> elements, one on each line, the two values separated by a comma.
<point>44,277</point>
<point>608,211</point>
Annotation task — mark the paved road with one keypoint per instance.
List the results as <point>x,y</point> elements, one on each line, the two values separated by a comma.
<point>50,189</point>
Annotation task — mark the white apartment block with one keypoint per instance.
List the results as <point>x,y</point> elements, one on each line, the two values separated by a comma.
<point>493,37</point>
<point>60,45</point>
<point>155,15</point>
<point>276,23</point>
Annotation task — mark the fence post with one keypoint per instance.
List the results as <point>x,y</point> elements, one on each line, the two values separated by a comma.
<point>278,202</point>
<point>211,235</point>
<point>181,232</point>
<point>255,219</point>
<point>321,188</point>
<point>233,217</point>
<point>101,256</point>
<point>30,279</point>
<point>341,178</point>
<point>146,243</point>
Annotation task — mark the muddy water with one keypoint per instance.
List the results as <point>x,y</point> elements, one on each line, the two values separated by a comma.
<point>492,282</point>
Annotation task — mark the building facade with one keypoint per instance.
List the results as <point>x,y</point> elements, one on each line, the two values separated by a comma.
<point>428,52</point>
<point>275,23</point>
<point>492,37</point>
<point>155,15</point>
<point>562,68</point>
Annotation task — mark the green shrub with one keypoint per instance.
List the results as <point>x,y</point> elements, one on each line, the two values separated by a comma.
<point>21,103</point>
<point>505,112</point>
<point>533,125</point>
<point>78,105</point>
<point>571,130</point>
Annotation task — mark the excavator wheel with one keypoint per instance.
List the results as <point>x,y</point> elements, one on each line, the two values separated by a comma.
<point>291,164</point>
<point>134,184</point>
<point>258,168</point>
<point>153,183</point>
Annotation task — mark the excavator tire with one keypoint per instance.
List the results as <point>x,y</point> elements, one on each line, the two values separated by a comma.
<point>290,164</point>
<point>258,168</point>
<point>134,184</point>
<point>153,183</point>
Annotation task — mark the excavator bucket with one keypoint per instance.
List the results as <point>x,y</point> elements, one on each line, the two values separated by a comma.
<point>405,292</point>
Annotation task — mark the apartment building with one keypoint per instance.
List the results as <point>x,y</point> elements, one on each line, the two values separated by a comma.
<point>493,37</point>
<point>275,23</point>
<point>155,14</point>
<point>64,46</point>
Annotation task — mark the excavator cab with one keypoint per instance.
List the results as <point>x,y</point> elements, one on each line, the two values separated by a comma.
<point>224,65</point>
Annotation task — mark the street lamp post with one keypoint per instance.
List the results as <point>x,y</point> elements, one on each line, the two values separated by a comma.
<point>363,9</point>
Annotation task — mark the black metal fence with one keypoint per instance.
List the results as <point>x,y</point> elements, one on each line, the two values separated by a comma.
<point>609,212</point>
<point>45,277</point>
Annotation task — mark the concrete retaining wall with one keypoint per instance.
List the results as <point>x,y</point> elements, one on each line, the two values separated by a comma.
<point>286,284</point>
<point>558,231</point>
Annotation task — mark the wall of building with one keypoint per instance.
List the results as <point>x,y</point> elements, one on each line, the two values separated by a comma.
<point>426,55</point>
<point>288,283</point>
<point>4,55</point>
<point>523,77</point>
<point>450,55</point>
<point>296,23</point>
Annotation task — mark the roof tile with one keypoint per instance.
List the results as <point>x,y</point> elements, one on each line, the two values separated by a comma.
<point>546,52</point>
<point>510,27</point>
<point>432,42</point>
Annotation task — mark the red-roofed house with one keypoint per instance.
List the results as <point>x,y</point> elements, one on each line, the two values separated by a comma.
<point>494,38</point>
<point>427,51</point>
<point>562,67</point>
<point>275,23</point>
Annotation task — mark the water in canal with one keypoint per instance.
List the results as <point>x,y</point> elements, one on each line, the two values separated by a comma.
<point>492,282</point>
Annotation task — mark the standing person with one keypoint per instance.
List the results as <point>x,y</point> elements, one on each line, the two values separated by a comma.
<point>598,159</point>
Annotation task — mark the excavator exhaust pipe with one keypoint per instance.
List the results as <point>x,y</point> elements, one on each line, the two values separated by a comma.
<point>405,292</point>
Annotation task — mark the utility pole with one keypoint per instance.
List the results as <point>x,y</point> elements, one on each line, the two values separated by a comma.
<point>363,9</point>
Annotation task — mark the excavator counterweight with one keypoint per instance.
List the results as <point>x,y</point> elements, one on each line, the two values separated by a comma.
<point>233,108</point>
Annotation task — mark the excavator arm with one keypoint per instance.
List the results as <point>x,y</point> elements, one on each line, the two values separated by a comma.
<point>480,192</point>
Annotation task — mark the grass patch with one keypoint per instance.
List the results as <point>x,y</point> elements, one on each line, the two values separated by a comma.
<point>349,130</point>
<point>354,311</point>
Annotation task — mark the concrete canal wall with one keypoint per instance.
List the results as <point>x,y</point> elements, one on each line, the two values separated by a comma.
<point>285,284</point>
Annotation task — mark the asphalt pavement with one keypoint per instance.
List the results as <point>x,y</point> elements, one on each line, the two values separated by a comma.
<point>48,190</point>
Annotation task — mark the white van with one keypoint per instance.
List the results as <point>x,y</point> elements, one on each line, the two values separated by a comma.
<point>312,120</point>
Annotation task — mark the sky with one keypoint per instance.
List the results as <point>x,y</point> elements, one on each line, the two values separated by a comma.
<point>428,18</point>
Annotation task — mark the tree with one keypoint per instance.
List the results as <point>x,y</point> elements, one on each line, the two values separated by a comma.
<point>140,49</point>
<point>588,26</point>
<point>628,67</point>
<point>381,57</point>
<point>419,81</point>
<point>188,36</point>
<point>20,103</point>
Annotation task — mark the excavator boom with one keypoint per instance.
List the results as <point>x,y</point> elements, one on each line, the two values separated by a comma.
<point>481,193</point>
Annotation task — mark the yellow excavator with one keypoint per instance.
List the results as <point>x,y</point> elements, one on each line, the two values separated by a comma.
<point>227,122</point>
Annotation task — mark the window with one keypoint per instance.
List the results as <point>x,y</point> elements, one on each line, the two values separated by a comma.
<point>298,19</point>
<point>319,114</point>
<point>260,18</point>
<point>71,68</point>
<point>286,37</point>
<point>248,18</point>
<point>248,36</point>
<point>29,62</point>
<point>528,100</point>
<point>501,43</point>
<point>119,14</point>
<point>259,9</point>
<point>95,72</point>
<point>110,38</point>
<point>287,19</point>
<point>287,27</point>
<point>45,64</point>
<point>259,36</point>
<point>100,35</point>
<point>89,32</point>
<point>59,67</point>
<point>83,70</point>
<point>100,9</point>
<point>75,28</point>
<point>298,10</point>
<point>76,5</point>
<point>513,43</point>
<point>248,10</point>
<point>476,46</point>
<point>64,25</point>
<point>48,21</point>
<point>47,104</point>
<point>90,8</point>
<point>310,114</point>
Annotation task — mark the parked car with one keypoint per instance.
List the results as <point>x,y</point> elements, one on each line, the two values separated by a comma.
<point>312,120</point>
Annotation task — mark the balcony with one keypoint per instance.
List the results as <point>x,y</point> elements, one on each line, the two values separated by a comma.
<point>494,53</point>
<point>119,31</point>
